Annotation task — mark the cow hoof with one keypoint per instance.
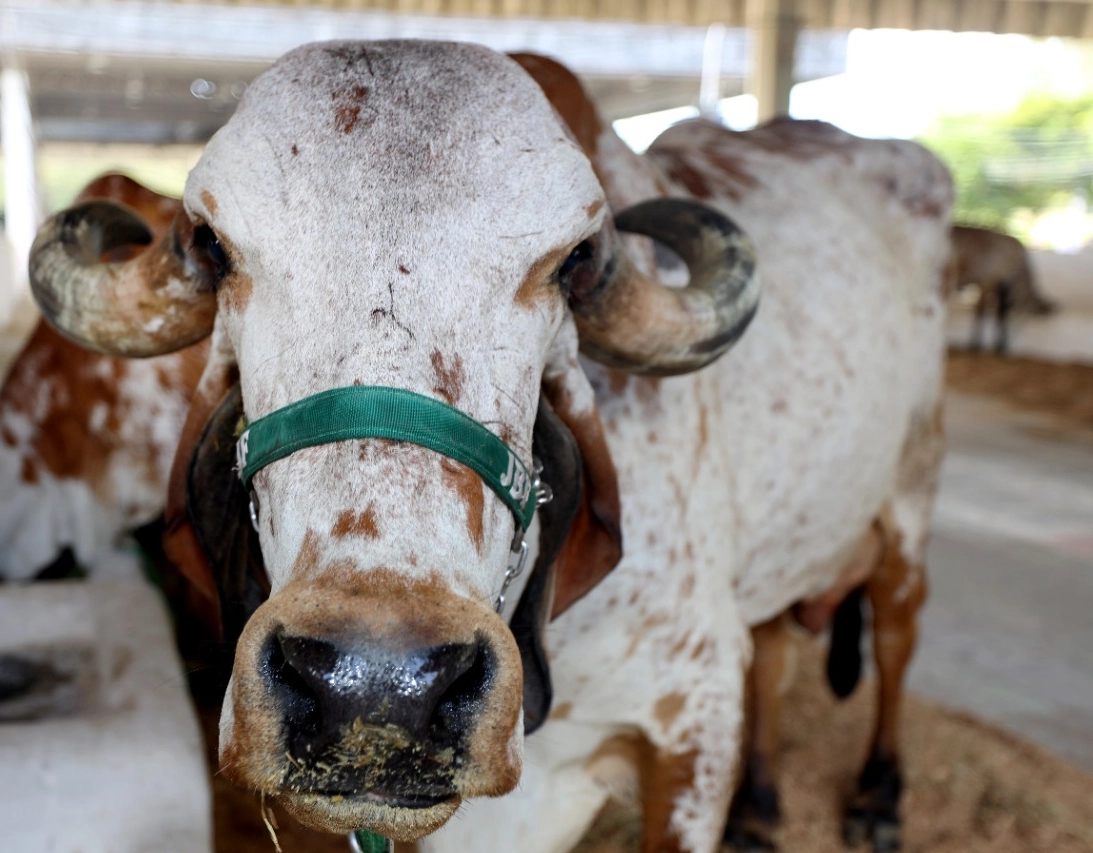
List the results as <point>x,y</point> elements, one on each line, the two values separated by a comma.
<point>882,831</point>
<point>748,839</point>
<point>754,816</point>
<point>873,814</point>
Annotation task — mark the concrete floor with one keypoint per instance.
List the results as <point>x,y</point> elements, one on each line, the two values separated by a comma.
<point>1008,630</point>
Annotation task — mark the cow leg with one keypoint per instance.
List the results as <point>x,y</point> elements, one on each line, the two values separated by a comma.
<point>896,592</point>
<point>1003,304</point>
<point>754,815</point>
<point>683,813</point>
<point>975,343</point>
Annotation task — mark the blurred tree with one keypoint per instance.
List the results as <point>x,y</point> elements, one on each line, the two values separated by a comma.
<point>1010,167</point>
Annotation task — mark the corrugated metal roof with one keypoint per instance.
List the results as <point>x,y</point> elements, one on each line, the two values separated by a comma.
<point>1031,17</point>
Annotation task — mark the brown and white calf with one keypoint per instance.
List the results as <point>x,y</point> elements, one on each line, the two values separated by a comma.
<point>87,440</point>
<point>440,219</point>
<point>994,270</point>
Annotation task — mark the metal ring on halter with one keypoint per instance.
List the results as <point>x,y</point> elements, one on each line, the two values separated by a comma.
<point>543,495</point>
<point>254,510</point>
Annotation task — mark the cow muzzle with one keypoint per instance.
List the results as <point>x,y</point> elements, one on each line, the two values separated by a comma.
<point>378,704</point>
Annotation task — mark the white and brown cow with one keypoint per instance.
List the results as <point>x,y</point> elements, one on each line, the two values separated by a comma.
<point>440,219</point>
<point>87,440</point>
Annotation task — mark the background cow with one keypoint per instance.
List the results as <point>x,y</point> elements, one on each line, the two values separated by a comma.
<point>993,272</point>
<point>87,440</point>
<point>418,216</point>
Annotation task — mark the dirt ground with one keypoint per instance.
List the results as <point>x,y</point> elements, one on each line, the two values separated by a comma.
<point>1064,391</point>
<point>970,787</point>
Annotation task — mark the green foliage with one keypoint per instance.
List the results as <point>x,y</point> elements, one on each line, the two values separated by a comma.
<point>1008,166</point>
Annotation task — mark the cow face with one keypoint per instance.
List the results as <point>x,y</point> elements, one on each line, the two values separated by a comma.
<point>425,200</point>
<point>416,216</point>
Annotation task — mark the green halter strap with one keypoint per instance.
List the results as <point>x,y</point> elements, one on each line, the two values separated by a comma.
<point>363,841</point>
<point>362,411</point>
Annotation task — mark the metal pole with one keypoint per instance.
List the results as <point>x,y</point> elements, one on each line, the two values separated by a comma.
<point>22,210</point>
<point>774,26</point>
<point>709,93</point>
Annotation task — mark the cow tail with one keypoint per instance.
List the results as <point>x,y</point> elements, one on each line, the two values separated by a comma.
<point>844,656</point>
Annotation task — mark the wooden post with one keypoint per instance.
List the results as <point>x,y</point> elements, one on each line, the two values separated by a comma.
<point>774,25</point>
<point>22,210</point>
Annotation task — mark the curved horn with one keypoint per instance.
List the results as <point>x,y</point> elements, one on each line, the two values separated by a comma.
<point>635,323</point>
<point>153,304</point>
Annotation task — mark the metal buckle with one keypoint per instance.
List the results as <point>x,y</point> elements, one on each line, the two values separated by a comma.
<point>543,495</point>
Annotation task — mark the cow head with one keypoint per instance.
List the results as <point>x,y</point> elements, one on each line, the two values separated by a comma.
<point>414,216</point>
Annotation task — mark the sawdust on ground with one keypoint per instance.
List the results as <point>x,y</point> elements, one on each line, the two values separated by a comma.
<point>1061,390</point>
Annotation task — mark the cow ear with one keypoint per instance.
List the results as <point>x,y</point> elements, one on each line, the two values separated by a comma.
<point>554,447</point>
<point>180,539</point>
<point>593,546</point>
<point>219,509</point>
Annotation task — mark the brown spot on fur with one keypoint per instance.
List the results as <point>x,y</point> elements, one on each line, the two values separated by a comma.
<point>209,201</point>
<point>688,586</point>
<point>307,558</point>
<point>667,708</point>
<point>7,436</point>
<point>594,208</point>
<point>562,711</point>
<point>538,283</point>
<point>235,292</point>
<point>348,112</point>
<point>617,381</point>
<point>662,777</point>
<point>703,429</point>
<point>647,389</point>
<point>295,151</point>
<point>449,378</point>
<point>732,170</point>
<point>402,269</point>
<point>346,117</point>
<point>700,649</point>
<point>350,523</point>
<point>29,473</point>
<point>681,172</point>
<point>468,485</point>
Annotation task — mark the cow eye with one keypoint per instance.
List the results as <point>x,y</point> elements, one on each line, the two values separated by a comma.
<point>576,268</point>
<point>209,253</point>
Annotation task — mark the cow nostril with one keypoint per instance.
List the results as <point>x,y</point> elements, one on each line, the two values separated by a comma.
<point>463,698</point>
<point>299,703</point>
